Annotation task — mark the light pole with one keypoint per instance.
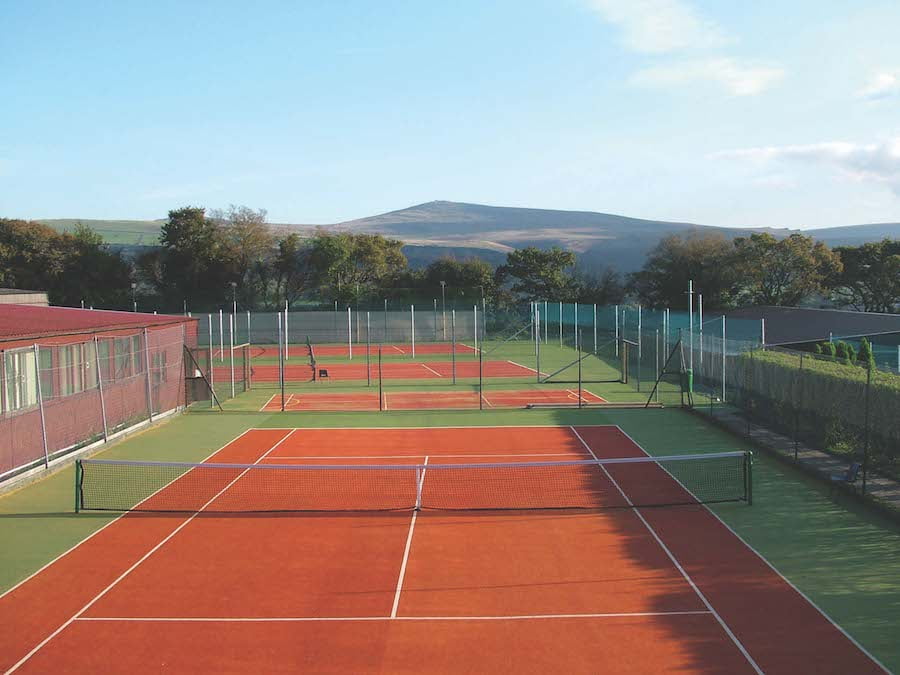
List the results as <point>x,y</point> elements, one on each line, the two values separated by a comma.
<point>133,298</point>
<point>234,297</point>
<point>444,310</point>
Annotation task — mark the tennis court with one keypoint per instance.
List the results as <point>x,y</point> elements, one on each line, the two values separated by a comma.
<point>331,349</point>
<point>389,370</point>
<point>429,400</point>
<point>303,549</point>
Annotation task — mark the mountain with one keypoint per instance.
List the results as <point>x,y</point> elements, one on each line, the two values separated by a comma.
<point>474,230</point>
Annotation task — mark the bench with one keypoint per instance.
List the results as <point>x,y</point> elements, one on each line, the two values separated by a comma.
<point>846,478</point>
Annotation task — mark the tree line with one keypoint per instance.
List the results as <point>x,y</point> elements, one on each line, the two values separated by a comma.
<point>206,260</point>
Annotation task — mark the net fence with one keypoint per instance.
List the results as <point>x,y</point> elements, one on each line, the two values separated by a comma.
<point>120,485</point>
<point>57,397</point>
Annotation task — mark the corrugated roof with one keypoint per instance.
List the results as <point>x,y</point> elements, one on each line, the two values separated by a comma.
<point>19,322</point>
<point>793,325</point>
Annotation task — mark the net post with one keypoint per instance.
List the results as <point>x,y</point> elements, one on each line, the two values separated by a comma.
<point>40,400</point>
<point>100,388</point>
<point>231,348</point>
<point>79,477</point>
<point>368,350</point>
<point>453,343</point>
<point>149,383</point>
<point>380,383</point>
<point>212,390</point>
<point>412,324</point>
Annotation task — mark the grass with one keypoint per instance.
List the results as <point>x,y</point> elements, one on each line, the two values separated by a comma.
<point>845,557</point>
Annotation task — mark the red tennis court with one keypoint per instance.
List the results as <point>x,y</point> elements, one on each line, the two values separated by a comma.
<point>524,591</point>
<point>390,370</point>
<point>359,349</point>
<point>427,400</point>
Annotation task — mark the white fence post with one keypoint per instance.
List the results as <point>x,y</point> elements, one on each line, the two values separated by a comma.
<point>149,384</point>
<point>40,399</point>
<point>100,387</point>
<point>221,338</point>
<point>231,348</point>
<point>412,324</point>
<point>212,390</point>
<point>350,331</point>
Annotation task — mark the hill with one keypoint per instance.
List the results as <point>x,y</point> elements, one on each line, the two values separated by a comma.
<point>439,228</point>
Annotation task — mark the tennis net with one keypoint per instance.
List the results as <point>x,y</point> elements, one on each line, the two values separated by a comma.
<point>122,485</point>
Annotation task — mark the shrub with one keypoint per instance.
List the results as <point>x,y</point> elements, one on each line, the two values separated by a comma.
<point>828,349</point>
<point>866,357</point>
<point>817,348</point>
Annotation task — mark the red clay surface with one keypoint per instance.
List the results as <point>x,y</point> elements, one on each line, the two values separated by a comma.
<point>427,400</point>
<point>524,591</point>
<point>391,370</point>
<point>331,349</point>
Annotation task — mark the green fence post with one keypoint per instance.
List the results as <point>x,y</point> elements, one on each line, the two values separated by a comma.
<point>78,478</point>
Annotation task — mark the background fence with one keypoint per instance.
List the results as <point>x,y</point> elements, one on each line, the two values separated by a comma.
<point>58,397</point>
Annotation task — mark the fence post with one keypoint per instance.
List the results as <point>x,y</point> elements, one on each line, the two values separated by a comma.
<point>281,359</point>
<point>249,339</point>
<point>616,321</point>
<point>287,352</point>
<point>595,328</point>
<point>656,373</point>
<point>385,337</point>
<point>453,343</point>
<point>480,375</point>
<point>368,350</point>
<point>640,345</point>
<point>412,324</point>
<point>350,332</point>
<point>212,389</point>
<point>547,327</point>
<point>865,467</point>
<point>798,400</point>
<point>100,388</point>
<point>231,348</point>
<point>475,319</point>
<point>40,398</point>
<point>149,380</point>
<point>578,338</point>
<point>560,324</point>
<point>724,352</point>
<point>380,382</point>
<point>221,338</point>
<point>537,346</point>
<point>575,320</point>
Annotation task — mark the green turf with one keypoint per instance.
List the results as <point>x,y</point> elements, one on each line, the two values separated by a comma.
<point>844,556</point>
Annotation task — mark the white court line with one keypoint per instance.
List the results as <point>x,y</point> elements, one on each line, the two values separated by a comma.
<point>425,366</point>
<point>519,454</point>
<point>266,404</point>
<point>398,349</point>
<point>525,367</point>
<point>485,399</point>
<point>600,399</point>
<point>140,560</point>
<point>672,557</point>
<point>409,536</point>
<point>292,619</point>
<point>770,565</point>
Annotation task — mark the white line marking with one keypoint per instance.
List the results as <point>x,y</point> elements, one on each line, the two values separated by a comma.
<point>409,536</point>
<point>425,366</point>
<point>600,399</point>
<point>772,567</point>
<point>398,349</point>
<point>96,532</point>
<point>519,454</point>
<point>287,619</point>
<point>672,557</point>
<point>142,559</point>
<point>521,366</point>
<point>485,399</point>
<point>266,404</point>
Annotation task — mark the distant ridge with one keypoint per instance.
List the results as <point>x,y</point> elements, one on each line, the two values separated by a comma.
<point>438,228</point>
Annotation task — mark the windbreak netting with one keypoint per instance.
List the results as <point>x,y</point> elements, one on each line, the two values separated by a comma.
<point>118,485</point>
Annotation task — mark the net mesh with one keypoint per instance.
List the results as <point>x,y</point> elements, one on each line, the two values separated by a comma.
<point>119,485</point>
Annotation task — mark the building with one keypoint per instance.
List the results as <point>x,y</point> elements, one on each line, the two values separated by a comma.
<point>16,296</point>
<point>73,377</point>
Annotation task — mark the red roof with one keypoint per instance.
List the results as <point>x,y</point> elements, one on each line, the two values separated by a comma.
<point>19,322</point>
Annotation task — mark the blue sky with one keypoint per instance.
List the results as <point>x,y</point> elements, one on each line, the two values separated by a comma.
<point>764,113</point>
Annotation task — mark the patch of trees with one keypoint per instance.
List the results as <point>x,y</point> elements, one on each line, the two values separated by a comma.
<point>70,266</point>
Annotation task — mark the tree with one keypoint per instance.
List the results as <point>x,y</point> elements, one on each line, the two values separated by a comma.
<point>248,244</point>
<point>783,272</point>
<point>870,280</point>
<point>539,274</point>
<point>605,288</point>
<point>292,272</point>
<point>866,357</point>
<point>350,264</point>
<point>676,260</point>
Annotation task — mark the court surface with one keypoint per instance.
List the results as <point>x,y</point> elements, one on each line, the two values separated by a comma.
<point>428,400</point>
<point>390,370</point>
<point>359,349</point>
<point>579,591</point>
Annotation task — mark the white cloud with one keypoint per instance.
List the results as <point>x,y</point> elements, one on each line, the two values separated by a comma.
<point>873,162</point>
<point>881,85</point>
<point>737,78</point>
<point>658,26</point>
